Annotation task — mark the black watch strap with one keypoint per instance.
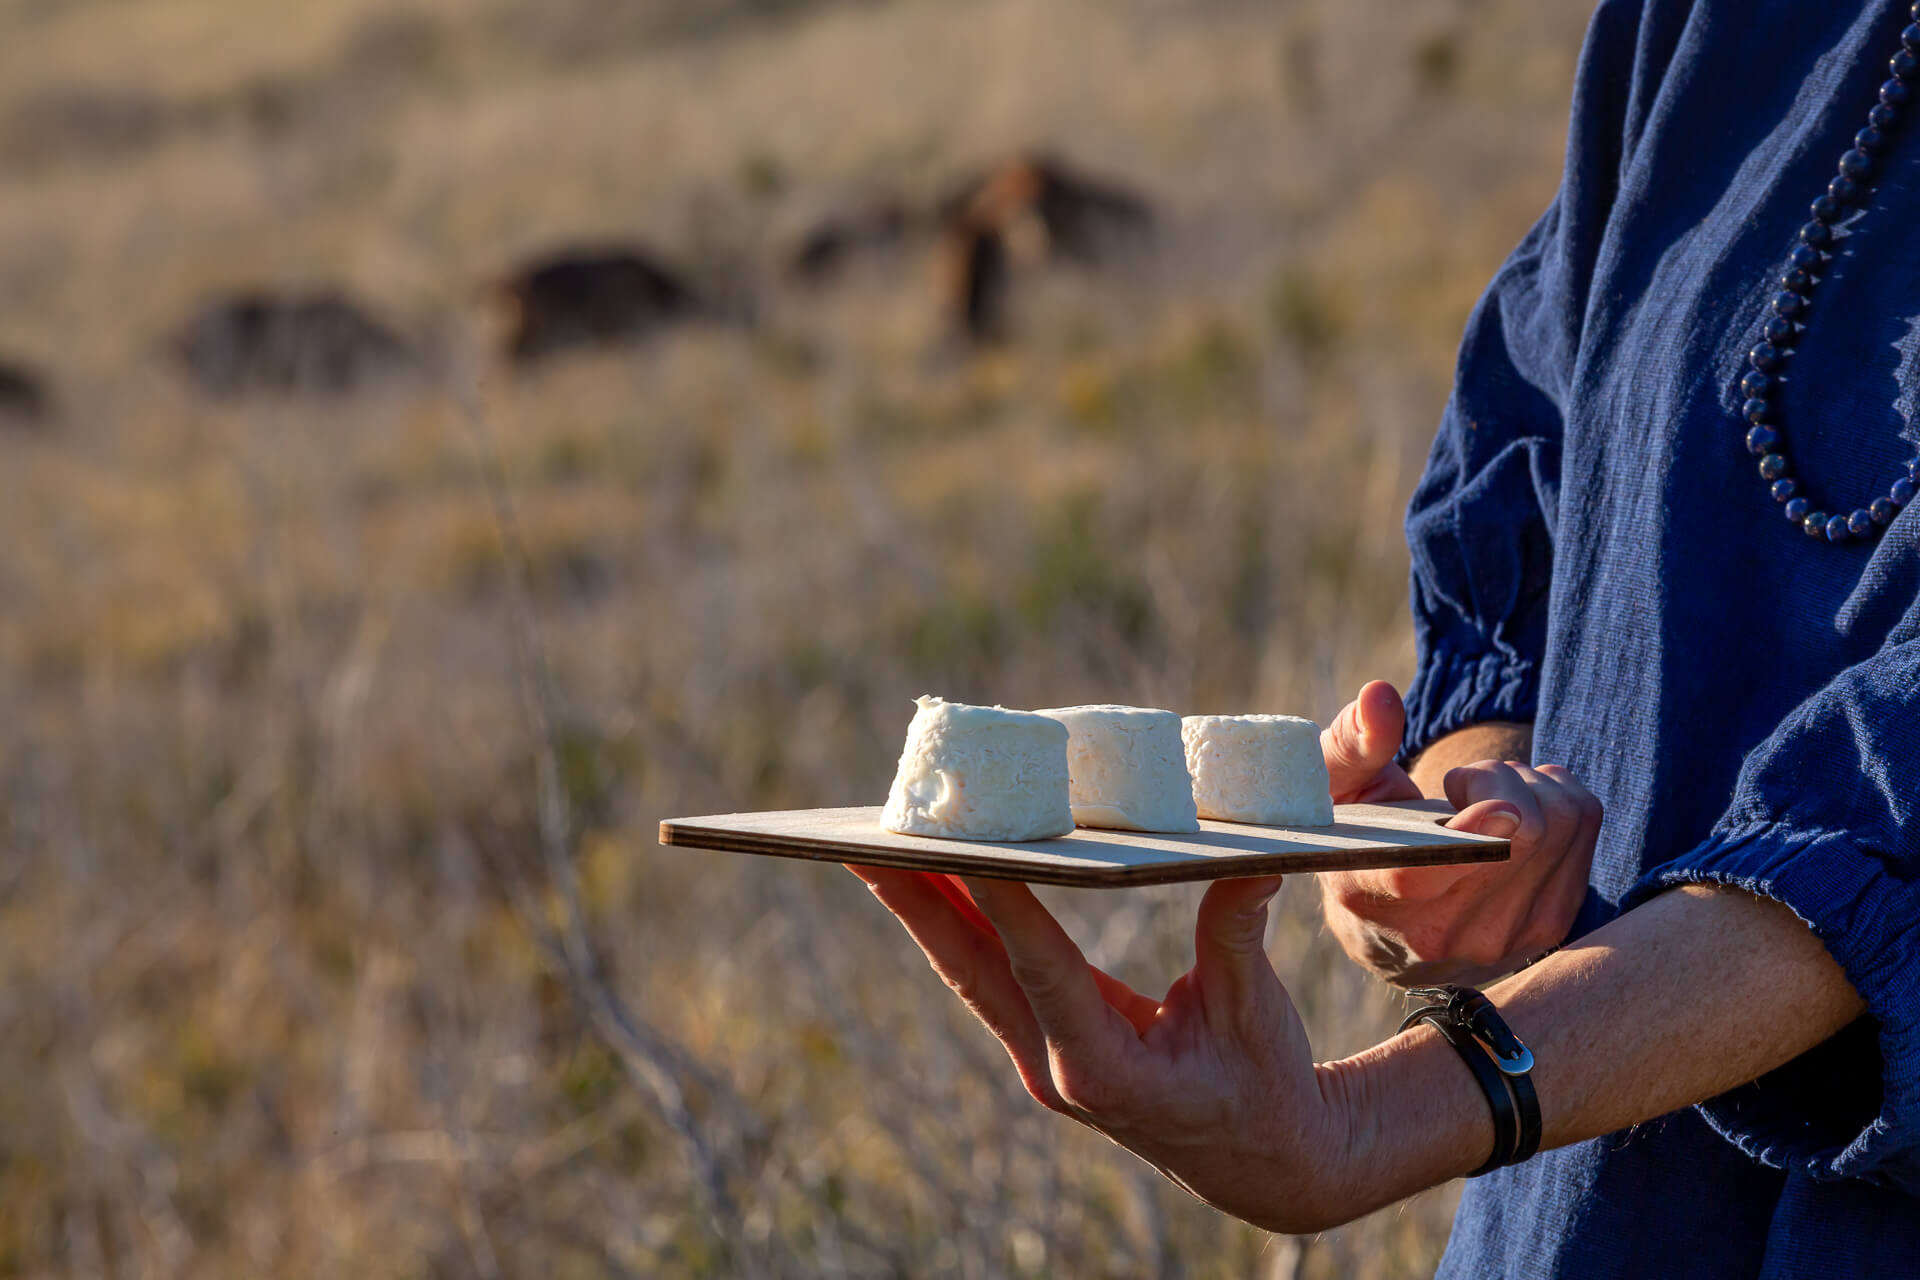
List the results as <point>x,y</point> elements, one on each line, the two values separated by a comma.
<point>1499,1061</point>
<point>1506,1119</point>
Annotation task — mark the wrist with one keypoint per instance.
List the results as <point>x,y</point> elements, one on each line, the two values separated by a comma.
<point>1413,1114</point>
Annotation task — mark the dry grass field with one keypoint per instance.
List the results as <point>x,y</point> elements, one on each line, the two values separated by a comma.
<point>334,937</point>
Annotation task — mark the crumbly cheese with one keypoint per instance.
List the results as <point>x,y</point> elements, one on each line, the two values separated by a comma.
<point>980,773</point>
<point>1264,769</point>
<point>1126,768</point>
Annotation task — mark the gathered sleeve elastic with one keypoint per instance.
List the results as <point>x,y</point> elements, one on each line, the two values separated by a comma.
<point>1826,819</point>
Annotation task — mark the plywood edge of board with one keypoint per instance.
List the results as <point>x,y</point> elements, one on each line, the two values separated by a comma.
<point>1363,837</point>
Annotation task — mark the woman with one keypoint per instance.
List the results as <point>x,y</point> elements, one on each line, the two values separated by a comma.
<point>1603,579</point>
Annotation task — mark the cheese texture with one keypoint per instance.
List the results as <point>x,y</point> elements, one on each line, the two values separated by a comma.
<point>980,773</point>
<point>1264,769</point>
<point>1126,768</point>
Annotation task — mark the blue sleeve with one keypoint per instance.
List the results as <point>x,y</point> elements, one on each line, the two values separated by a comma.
<point>1481,522</point>
<point>1480,525</point>
<point>1826,819</point>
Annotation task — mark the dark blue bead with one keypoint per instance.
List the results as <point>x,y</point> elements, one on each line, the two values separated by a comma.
<point>1860,524</point>
<point>1915,11</point>
<point>1903,64</point>
<point>1773,466</point>
<point>1796,281</point>
<point>1883,117</point>
<point>1783,490</point>
<point>1815,234</point>
<point>1870,140</point>
<point>1760,440</point>
<point>1779,331</point>
<point>1913,470</point>
<point>1797,509</point>
<point>1883,511</point>
<point>1902,491</point>
<point>1764,356</point>
<point>1910,38</point>
<point>1837,530</point>
<point>1856,164</point>
<point>1805,256</point>
<point>1845,189</point>
<point>1787,304</point>
<point>1755,384</point>
<point>1815,525</point>
<point>1826,209</point>
<point>1894,94</point>
<point>1755,411</point>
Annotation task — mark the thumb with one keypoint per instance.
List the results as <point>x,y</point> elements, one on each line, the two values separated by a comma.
<point>1230,946</point>
<point>1363,738</point>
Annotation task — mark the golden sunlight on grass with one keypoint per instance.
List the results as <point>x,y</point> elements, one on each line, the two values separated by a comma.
<point>272,898</point>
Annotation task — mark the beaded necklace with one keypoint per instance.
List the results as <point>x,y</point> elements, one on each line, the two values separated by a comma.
<point>1796,286</point>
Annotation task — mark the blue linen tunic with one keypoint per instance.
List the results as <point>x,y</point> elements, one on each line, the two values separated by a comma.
<point>1594,551</point>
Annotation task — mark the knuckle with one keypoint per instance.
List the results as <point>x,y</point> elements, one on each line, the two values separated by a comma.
<point>1038,981</point>
<point>1559,817</point>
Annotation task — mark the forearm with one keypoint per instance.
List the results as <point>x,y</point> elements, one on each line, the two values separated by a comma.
<point>1495,740</point>
<point>1692,994</point>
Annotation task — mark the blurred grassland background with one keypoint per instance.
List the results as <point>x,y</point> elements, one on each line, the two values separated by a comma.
<point>272,999</point>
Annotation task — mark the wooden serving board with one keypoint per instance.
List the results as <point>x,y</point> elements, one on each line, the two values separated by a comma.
<point>1362,836</point>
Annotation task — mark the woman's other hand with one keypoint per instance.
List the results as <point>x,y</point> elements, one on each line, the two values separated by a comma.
<point>1417,925</point>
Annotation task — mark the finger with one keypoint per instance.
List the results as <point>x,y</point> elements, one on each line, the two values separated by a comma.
<point>1492,780</point>
<point>1230,952</point>
<point>1558,812</point>
<point>1506,925</point>
<point>970,960</point>
<point>1496,818</point>
<point>1363,738</point>
<point>1056,978</point>
<point>956,893</point>
<point>1591,811</point>
<point>1137,1009</point>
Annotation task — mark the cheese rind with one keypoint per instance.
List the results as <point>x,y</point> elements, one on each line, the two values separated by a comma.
<point>1127,769</point>
<point>980,773</point>
<point>1262,769</point>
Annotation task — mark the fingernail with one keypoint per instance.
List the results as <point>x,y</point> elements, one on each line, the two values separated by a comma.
<point>1501,825</point>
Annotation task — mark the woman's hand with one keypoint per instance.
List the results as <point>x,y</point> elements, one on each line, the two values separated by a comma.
<point>1215,1085</point>
<point>1462,923</point>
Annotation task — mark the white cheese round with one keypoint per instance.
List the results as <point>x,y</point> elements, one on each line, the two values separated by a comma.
<point>1263,769</point>
<point>1126,768</point>
<point>980,773</point>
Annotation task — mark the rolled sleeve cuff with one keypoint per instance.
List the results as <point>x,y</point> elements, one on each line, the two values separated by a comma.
<point>1452,690</point>
<point>1868,916</point>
